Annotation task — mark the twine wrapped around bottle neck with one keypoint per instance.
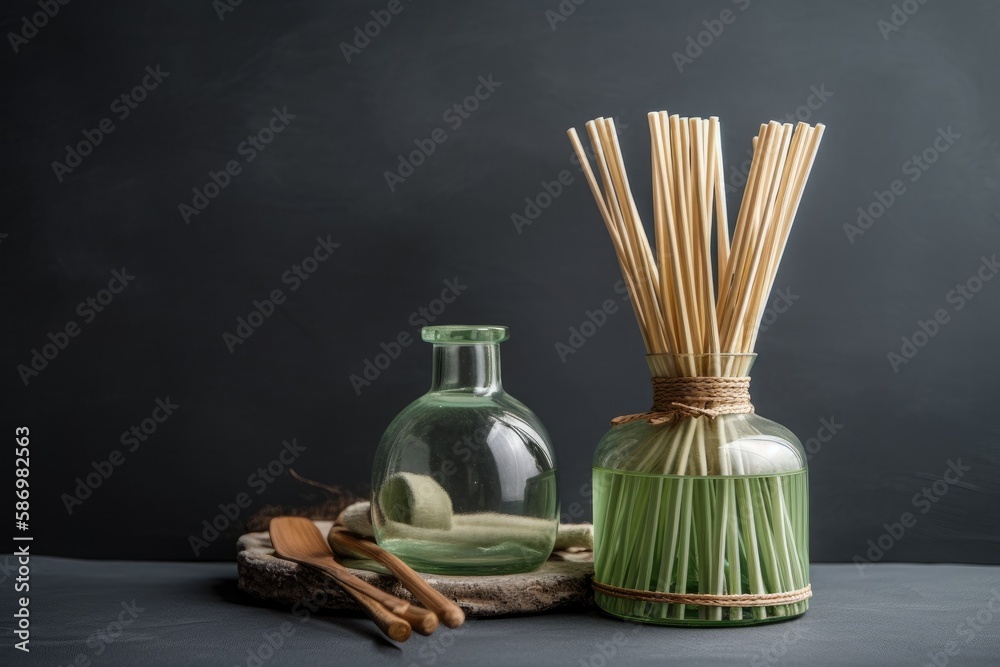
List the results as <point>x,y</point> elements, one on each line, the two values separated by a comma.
<point>701,396</point>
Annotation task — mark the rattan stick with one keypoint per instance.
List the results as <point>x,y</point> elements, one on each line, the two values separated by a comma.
<point>627,273</point>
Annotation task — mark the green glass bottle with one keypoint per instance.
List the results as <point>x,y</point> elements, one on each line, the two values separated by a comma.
<point>464,478</point>
<point>698,508</point>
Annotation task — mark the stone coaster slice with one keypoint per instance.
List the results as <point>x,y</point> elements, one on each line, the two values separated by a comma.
<point>561,584</point>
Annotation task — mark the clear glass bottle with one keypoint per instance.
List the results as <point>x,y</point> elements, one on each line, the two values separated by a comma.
<point>464,477</point>
<point>701,506</point>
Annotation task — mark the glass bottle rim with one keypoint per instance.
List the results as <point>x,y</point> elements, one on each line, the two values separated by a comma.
<point>464,334</point>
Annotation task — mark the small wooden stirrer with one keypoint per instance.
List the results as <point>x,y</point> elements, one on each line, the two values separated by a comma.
<point>446,610</point>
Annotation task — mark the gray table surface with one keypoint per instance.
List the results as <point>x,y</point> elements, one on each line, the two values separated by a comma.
<point>192,614</point>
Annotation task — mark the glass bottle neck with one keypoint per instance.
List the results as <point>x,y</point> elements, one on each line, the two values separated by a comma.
<point>473,368</point>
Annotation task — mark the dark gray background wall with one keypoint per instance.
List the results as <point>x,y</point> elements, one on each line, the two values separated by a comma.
<point>886,95</point>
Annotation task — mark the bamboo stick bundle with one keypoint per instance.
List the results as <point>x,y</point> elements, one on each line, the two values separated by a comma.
<point>691,524</point>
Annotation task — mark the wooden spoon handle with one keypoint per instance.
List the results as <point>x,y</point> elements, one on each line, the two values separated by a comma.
<point>331,567</point>
<point>449,612</point>
<point>392,626</point>
<point>422,620</point>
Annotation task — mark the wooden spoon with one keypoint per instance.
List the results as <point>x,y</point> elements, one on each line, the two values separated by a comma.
<point>449,612</point>
<point>298,539</point>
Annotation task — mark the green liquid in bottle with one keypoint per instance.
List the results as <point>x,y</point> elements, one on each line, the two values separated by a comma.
<point>704,535</point>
